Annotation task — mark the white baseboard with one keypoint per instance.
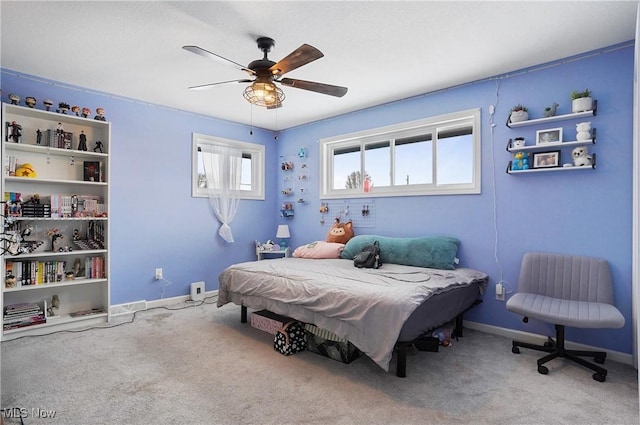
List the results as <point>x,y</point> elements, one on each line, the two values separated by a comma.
<point>540,339</point>
<point>130,308</point>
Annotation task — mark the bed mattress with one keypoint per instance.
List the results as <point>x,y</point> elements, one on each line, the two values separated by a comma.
<point>368,307</point>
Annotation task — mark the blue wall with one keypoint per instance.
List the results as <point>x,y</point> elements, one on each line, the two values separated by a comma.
<point>156,223</point>
<point>581,212</point>
<point>154,220</point>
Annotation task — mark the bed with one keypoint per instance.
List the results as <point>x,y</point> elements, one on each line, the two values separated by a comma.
<point>378,310</point>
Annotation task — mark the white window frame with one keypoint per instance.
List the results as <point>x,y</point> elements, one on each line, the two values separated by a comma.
<point>257,153</point>
<point>390,133</point>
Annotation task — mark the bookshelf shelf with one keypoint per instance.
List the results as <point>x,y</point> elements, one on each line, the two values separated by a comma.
<point>68,196</point>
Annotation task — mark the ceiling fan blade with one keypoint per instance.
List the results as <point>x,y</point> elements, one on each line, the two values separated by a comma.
<point>301,56</point>
<point>207,54</point>
<point>336,91</point>
<point>208,86</point>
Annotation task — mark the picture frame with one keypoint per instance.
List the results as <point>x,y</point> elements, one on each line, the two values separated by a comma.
<point>550,135</point>
<point>549,159</point>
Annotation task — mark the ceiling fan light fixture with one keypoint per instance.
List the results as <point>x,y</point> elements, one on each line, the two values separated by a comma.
<point>264,93</point>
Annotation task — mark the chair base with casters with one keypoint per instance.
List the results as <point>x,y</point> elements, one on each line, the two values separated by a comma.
<point>566,291</point>
<point>556,349</point>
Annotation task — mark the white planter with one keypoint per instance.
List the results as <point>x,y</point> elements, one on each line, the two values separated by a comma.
<point>518,116</point>
<point>581,104</point>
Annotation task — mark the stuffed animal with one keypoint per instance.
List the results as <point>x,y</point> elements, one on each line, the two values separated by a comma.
<point>583,130</point>
<point>520,161</point>
<point>340,232</point>
<point>581,156</point>
<point>26,170</point>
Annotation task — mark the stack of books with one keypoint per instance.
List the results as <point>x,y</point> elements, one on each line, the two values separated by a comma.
<point>21,315</point>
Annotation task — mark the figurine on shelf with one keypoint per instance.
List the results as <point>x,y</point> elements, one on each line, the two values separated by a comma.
<point>54,234</point>
<point>86,112</point>
<point>550,111</point>
<point>520,161</point>
<point>82,145</point>
<point>581,156</point>
<point>38,137</point>
<point>47,104</point>
<point>55,304</point>
<point>100,114</point>
<point>59,135</point>
<point>14,98</point>
<point>30,101</point>
<point>98,146</point>
<point>76,110</point>
<point>16,132</point>
<point>63,107</point>
<point>583,131</point>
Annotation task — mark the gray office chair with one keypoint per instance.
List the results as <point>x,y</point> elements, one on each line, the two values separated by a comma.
<point>565,290</point>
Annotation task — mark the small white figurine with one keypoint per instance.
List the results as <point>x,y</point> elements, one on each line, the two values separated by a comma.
<point>583,130</point>
<point>581,156</point>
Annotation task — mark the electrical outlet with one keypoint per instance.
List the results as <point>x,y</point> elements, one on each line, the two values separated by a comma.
<point>158,274</point>
<point>499,292</point>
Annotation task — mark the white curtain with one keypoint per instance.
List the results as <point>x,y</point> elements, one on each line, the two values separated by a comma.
<point>223,168</point>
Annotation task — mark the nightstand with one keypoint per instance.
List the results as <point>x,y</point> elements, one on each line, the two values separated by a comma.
<point>268,255</point>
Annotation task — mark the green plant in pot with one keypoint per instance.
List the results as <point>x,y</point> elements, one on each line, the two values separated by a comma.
<point>581,101</point>
<point>519,113</point>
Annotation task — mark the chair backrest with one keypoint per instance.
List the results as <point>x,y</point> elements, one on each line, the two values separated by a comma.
<point>566,277</point>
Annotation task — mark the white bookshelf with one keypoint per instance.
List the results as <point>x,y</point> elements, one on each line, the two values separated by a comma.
<point>85,231</point>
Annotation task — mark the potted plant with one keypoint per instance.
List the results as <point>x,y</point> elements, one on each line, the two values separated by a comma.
<point>581,101</point>
<point>519,113</point>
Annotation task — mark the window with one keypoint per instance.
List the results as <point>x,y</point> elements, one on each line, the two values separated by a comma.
<point>252,180</point>
<point>433,156</point>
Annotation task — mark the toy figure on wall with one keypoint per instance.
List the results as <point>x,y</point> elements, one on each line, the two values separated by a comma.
<point>520,161</point>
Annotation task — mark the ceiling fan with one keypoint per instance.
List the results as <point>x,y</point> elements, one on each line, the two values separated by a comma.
<point>263,90</point>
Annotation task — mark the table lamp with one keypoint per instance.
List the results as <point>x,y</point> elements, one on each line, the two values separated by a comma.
<point>283,235</point>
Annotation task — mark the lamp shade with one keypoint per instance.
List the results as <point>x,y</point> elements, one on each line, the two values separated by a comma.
<point>265,93</point>
<point>283,231</point>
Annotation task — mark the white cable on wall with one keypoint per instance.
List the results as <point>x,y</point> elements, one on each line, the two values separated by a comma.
<point>492,125</point>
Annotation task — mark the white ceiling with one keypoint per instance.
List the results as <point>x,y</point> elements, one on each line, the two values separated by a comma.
<point>382,51</point>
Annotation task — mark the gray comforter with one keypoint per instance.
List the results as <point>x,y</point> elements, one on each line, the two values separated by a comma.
<point>366,306</point>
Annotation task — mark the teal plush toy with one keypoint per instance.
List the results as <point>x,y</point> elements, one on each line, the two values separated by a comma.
<point>520,161</point>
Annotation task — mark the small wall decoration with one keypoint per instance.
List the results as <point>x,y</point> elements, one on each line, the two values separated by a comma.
<point>580,156</point>
<point>550,111</point>
<point>546,159</point>
<point>552,135</point>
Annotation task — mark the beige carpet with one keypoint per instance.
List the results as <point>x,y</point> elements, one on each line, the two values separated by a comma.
<point>200,365</point>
